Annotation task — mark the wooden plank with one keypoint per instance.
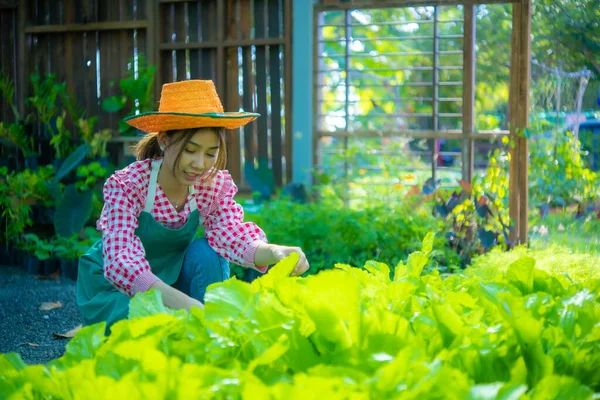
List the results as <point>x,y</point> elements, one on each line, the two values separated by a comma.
<point>275,80</point>
<point>57,61</point>
<point>274,18</point>
<point>232,98</point>
<point>103,10</point>
<point>126,10</point>
<point>194,22</point>
<point>261,81</point>
<point>126,46</point>
<point>317,47</point>
<point>150,43</point>
<point>180,30</point>
<point>247,104</point>
<point>245,25</point>
<point>84,12</point>
<point>167,31</point>
<point>514,192</point>
<point>144,10</point>
<point>87,81</point>
<point>108,58</point>
<point>232,21</point>
<point>287,81</point>
<point>21,57</point>
<point>468,99</point>
<point>524,20</point>
<point>91,27</point>
<point>232,103</point>
<point>220,75</point>
<point>435,111</point>
<point>54,16</point>
<point>9,4</point>
<point>8,60</point>
<point>43,16</point>
<point>208,16</point>
<point>226,43</point>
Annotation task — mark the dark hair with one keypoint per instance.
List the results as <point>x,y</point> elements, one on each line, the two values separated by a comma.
<point>148,146</point>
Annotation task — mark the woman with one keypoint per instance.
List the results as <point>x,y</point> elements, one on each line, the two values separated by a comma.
<point>153,207</point>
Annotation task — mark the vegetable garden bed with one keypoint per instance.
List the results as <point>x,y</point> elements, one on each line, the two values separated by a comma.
<point>345,333</point>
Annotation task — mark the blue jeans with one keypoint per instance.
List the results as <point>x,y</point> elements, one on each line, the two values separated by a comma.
<point>202,266</point>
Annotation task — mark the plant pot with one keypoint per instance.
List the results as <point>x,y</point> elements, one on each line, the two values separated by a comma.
<point>33,265</point>
<point>50,266</point>
<point>15,257</point>
<point>68,268</point>
<point>43,215</point>
<point>20,257</point>
<point>31,162</point>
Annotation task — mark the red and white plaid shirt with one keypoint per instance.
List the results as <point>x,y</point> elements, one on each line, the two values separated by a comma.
<point>125,265</point>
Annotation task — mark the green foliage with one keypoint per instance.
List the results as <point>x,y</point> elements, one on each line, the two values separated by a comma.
<point>477,217</point>
<point>343,333</point>
<point>14,132</point>
<point>330,233</point>
<point>18,192</point>
<point>566,230</point>
<point>40,248</point>
<point>69,248</point>
<point>558,172</point>
<point>73,210</point>
<point>564,32</point>
<point>53,113</point>
<point>136,92</point>
<point>90,174</point>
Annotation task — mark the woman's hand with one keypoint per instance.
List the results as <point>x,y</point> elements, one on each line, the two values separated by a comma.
<point>267,254</point>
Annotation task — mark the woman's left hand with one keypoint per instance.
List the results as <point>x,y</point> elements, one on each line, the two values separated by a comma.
<point>267,254</point>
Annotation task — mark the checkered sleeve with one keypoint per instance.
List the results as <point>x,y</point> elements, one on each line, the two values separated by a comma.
<point>224,225</point>
<point>125,265</point>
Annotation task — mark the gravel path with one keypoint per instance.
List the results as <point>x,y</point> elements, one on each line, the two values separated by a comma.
<point>24,328</point>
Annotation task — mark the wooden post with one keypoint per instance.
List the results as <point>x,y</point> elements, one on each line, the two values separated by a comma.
<point>468,110</point>
<point>220,84</point>
<point>519,113</point>
<point>435,97</point>
<point>152,52</point>
<point>232,98</point>
<point>287,81</point>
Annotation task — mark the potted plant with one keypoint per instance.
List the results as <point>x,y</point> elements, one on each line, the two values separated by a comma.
<point>68,251</point>
<point>39,252</point>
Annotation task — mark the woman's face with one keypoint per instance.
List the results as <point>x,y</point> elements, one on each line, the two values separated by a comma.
<point>198,156</point>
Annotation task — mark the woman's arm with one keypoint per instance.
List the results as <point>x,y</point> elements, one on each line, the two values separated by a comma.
<point>174,298</point>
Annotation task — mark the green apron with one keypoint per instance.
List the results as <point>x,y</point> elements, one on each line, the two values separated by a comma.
<point>165,248</point>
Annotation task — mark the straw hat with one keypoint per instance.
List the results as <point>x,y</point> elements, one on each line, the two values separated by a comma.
<point>189,104</point>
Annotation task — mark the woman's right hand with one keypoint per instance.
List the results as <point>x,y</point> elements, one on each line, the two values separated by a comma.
<point>175,299</point>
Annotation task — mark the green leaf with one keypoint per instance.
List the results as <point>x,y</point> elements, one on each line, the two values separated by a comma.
<point>520,273</point>
<point>147,303</point>
<point>114,103</point>
<point>73,210</point>
<point>428,243</point>
<point>72,161</point>
<point>11,361</point>
<point>84,345</point>
<point>378,269</point>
